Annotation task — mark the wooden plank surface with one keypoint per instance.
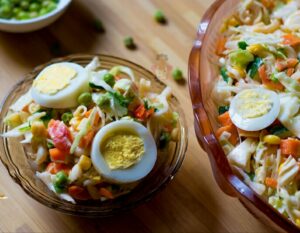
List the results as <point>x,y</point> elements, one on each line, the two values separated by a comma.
<point>192,202</point>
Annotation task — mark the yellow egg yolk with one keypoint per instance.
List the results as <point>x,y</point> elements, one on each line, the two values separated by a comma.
<point>54,79</point>
<point>122,150</point>
<point>252,104</point>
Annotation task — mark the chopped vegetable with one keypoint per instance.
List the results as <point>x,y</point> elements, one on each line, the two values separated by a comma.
<point>230,129</point>
<point>224,119</point>
<point>290,39</point>
<point>85,99</point>
<point>241,58</point>
<point>267,81</point>
<point>290,146</point>
<point>271,182</point>
<point>57,155</point>
<point>242,45</point>
<point>66,117</point>
<point>78,192</point>
<point>254,66</point>
<point>224,74</point>
<point>109,79</point>
<point>223,109</point>
<point>221,46</point>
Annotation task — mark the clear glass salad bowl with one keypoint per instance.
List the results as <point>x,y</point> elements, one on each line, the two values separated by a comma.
<point>18,165</point>
<point>202,74</point>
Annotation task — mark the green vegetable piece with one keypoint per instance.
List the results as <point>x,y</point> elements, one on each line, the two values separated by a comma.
<point>164,139</point>
<point>129,43</point>
<point>58,189</point>
<point>61,179</point>
<point>50,145</point>
<point>66,117</point>
<point>24,4</point>
<point>241,58</point>
<point>34,7</point>
<point>274,78</point>
<point>6,11</point>
<point>104,100</point>
<point>224,74</point>
<point>280,131</point>
<point>109,79</point>
<point>243,45</point>
<point>223,109</point>
<point>85,99</point>
<point>177,75</point>
<point>251,175</point>
<point>25,128</point>
<point>159,16</point>
<point>254,66</point>
<point>98,26</point>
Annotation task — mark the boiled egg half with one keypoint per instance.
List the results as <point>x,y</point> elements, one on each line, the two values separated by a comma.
<point>59,85</point>
<point>123,151</point>
<point>254,109</point>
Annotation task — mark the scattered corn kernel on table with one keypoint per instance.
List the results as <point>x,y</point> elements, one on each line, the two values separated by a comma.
<point>192,202</point>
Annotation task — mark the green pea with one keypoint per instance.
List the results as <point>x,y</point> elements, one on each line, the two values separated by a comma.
<point>109,79</point>
<point>51,6</point>
<point>43,11</point>
<point>160,17</point>
<point>34,7</point>
<point>6,11</point>
<point>85,98</point>
<point>129,43</point>
<point>33,15</point>
<point>66,117</point>
<point>16,11</point>
<point>177,74</point>
<point>24,4</point>
<point>61,178</point>
<point>104,100</point>
<point>59,189</point>
<point>22,15</point>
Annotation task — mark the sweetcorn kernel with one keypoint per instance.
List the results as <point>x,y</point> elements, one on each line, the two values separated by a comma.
<point>38,129</point>
<point>84,162</point>
<point>272,139</point>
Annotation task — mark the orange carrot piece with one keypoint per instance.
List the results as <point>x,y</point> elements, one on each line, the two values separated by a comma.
<point>224,119</point>
<point>78,192</point>
<point>230,129</point>
<point>271,182</point>
<point>87,139</point>
<point>290,71</point>
<point>290,39</point>
<point>269,4</point>
<point>149,112</point>
<point>267,81</point>
<point>140,111</point>
<point>285,64</point>
<point>221,46</point>
<point>54,167</point>
<point>106,193</point>
<point>57,154</point>
<point>290,146</point>
<point>88,113</point>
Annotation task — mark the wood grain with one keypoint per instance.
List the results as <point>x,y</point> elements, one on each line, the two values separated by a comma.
<point>192,202</point>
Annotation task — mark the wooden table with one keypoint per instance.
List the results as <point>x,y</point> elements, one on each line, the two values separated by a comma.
<point>192,202</point>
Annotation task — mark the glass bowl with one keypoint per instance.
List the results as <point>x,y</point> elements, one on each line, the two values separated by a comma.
<point>13,155</point>
<point>202,74</point>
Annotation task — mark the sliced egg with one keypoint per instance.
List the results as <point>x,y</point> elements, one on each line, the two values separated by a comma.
<point>123,151</point>
<point>254,109</point>
<point>59,85</point>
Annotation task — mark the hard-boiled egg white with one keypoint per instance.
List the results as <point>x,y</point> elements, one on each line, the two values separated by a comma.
<point>59,85</point>
<point>126,172</point>
<point>254,109</point>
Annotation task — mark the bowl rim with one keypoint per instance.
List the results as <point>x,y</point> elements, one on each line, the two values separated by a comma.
<point>224,176</point>
<point>114,211</point>
<point>62,5</point>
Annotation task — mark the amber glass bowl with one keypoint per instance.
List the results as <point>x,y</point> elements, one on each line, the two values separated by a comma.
<point>202,76</point>
<point>18,165</point>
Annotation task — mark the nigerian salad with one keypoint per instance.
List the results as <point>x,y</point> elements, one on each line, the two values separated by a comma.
<point>92,133</point>
<point>257,94</point>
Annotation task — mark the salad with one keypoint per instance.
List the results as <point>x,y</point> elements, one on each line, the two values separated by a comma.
<point>92,133</point>
<point>257,94</point>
